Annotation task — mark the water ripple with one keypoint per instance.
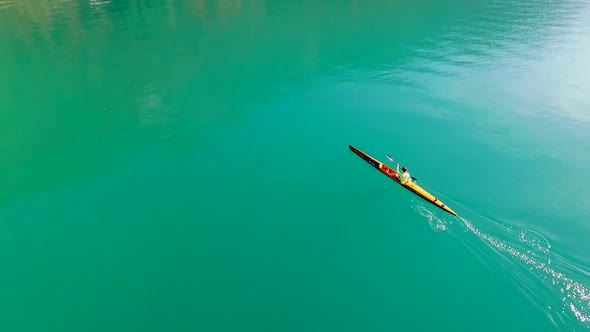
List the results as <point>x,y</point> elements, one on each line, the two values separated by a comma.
<point>535,255</point>
<point>506,29</point>
<point>519,248</point>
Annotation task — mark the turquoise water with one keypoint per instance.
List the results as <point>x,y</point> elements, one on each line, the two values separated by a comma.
<point>184,165</point>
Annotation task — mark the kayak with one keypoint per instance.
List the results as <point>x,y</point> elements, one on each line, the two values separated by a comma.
<point>410,185</point>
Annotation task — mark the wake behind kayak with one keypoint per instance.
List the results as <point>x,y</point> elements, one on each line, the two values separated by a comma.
<point>411,186</point>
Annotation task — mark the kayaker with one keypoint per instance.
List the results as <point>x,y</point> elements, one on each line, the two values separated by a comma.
<point>404,175</point>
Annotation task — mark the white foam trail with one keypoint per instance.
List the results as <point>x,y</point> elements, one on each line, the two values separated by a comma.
<point>575,296</point>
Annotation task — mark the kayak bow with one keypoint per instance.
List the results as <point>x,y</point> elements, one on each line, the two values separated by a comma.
<point>411,186</point>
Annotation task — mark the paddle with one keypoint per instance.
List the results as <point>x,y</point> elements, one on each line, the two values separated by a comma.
<point>389,157</point>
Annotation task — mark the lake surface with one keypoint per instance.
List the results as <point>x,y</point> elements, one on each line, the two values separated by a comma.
<point>184,165</point>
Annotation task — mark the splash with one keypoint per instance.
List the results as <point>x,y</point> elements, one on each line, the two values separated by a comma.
<point>435,222</point>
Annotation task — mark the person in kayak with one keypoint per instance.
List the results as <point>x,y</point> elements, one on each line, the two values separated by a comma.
<point>404,175</point>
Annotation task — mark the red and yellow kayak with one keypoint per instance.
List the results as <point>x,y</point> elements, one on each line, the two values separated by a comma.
<point>411,186</point>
